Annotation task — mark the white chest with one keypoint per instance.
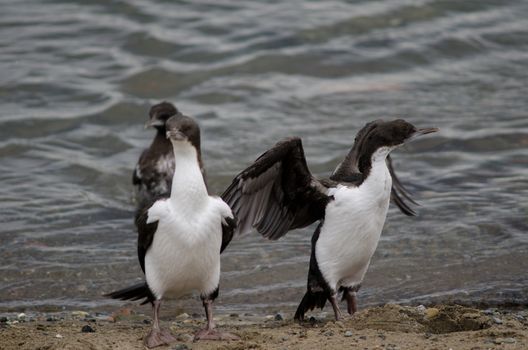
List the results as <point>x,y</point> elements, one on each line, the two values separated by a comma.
<point>185,253</point>
<point>352,228</point>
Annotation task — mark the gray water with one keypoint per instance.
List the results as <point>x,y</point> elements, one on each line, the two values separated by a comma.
<point>77,79</point>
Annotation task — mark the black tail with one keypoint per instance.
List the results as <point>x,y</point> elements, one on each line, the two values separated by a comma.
<point>310,301</point>
<point>135,292</point>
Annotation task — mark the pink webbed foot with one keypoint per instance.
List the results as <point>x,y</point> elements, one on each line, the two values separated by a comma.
<point>213,334</point>
<point>158,337</point>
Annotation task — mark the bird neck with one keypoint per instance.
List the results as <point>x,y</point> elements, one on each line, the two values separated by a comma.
<point>188,184</point>
<point>376,175</point>
<point>161,137</point>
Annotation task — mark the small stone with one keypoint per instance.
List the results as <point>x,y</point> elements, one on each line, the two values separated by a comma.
<point>329,333</point>
<point>59,336</point>
<point>518,316</point>
<point>234,315</point>
<point>497,320</point>
<point>509,340</point>
<point>81,314</point>
<point>182,316</point>
<point>348,334</point>
<point>51,319</point>
<point>180,347</point>
<point>21,316</point>
<point>41,327</point>
<point>87,329</point>
<point>421,309</point>
<point>363,337</point>
<point>278,317</point>
<point>184,337</point>
<point>285,338</point>
<point>488,312</point>
<point>431,312</point>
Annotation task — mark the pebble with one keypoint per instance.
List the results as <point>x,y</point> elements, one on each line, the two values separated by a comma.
<point>285,338</point>
<point>497,320</point>
<point>184,337</point>
<point>421,309</point>
<point>278,317</point>
<point>348,334</point>
<point>328,333</point>
<point>79,314</point>
<point>21,316</point>
<point>87,329</point>
<point>363,337</point>
<point>431,312</point>
<point>180,347</point>
<point>488,312</point>
<point>182,316</point>
<point>509,340</point>
<point>59,336</point>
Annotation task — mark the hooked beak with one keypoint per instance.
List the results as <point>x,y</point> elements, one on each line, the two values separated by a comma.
<point>176,135</point>
<point>153,123</point>
<point>420,132</point>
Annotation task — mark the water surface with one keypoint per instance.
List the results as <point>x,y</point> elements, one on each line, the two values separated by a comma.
<point>77,79</point>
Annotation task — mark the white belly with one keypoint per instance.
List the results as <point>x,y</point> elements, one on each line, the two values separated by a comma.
<point>185,253</point>
<point>351,231</point>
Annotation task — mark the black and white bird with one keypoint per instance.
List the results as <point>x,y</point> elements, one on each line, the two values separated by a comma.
<point>180,238</point>
<point>277,193</point>
<point>153,173</point>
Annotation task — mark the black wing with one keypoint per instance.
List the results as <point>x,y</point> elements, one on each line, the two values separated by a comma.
<point>277,193</point>
<point>145,234</point>
<point>398,192</point>
<point>228,230</point>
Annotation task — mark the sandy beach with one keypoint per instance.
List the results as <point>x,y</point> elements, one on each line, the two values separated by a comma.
<point>388,327</point>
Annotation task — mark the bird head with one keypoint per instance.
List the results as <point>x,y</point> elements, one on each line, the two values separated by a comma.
<point>181,128</point>
<point>159,114</point>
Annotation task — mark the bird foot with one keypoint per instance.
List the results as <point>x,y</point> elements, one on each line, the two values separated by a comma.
<point>158,337</point>
<point>213,334</point>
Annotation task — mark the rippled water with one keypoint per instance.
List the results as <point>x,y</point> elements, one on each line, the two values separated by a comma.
<point>77,79</point>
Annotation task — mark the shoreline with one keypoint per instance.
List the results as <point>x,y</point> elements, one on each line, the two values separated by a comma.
<point>390,327</point>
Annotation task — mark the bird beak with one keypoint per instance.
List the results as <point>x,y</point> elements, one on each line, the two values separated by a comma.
<point>420,132</point>
<point>176,135</point>
<point>153,123</point>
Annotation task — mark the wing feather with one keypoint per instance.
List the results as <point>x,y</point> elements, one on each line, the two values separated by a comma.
<point>277,192</point>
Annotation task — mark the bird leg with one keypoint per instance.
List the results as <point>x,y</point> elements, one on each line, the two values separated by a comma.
<point>209,332</point>
<point>157,336</point>
<point>335,306</point>
<point>350,296</point>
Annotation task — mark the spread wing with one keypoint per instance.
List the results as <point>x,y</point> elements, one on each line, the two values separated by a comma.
<point>277,193</point>
<point>399,193</point>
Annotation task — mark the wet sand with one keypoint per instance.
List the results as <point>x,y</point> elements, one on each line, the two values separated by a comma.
<point>389,327</point>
